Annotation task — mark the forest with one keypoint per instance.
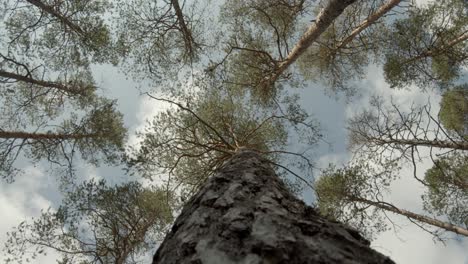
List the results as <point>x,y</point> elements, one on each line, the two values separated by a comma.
<point>119,118</point>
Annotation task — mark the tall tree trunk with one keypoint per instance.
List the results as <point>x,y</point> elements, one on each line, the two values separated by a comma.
<point>43,136</point>
<point>324,19</point>
<point>421,218</point>
<point>188,38</point>
<point>245,214</point>
<point>46,84</point>
<point>367,22</point>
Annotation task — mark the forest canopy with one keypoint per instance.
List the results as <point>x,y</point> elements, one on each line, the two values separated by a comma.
<point>230,75</point>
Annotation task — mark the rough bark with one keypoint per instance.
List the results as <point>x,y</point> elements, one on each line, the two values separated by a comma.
<point>324,19</point>
<point>245,214</point>
<point>368,21</point>
<point>421,218</point>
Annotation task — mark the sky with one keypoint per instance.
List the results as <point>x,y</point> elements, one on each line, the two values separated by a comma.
<point>36,189</point>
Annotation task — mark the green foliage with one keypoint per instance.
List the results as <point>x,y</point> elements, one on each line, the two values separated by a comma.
<point>276,17</point>
<point>423,51</point>
<point>191,140</point>
<point>345,195</point>
<point>152,41</point>
<point>49,101</point>
<point>447,192</point>
<point>74,34</point>
<point>49,51</point>
<point>454,110</point>
<point>260,34</point>
<point>337,65</point>
<point>97,136</point>
<point>96,223</point>
<point>26,103</point>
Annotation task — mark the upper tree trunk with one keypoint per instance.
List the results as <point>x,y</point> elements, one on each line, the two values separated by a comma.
<point>43,136</point>
<point>188,38</point>
<point>367,22</point>
<point>245,214</point>
<point>51,11</point>
<point>324,19</point>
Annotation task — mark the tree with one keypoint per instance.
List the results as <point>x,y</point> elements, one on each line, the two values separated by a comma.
<point>50,102</point>
<point>354,195</point>
<point>28,88</point>
<point>158,39</point>
<point>388,128</point>
<point>189,143</point>
<point>98,135</point>
<point>428,47</point>
<point>252,60</point>
<point>47,50</point>
<point>454,110</point>
<point>384,139</point>
<point>46,53</point>
<point>50,47</point>
<point>245,213</point>
<point>354,39</point>
<point>96,223</point>
<point>59,33</point>
<point>447,190</point>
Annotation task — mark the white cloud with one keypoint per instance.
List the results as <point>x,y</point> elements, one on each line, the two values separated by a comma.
<point>338,159</point>
<point>412,245</point>
<point>22,200</point>
<point>148,108</point>
<point>375,85</point>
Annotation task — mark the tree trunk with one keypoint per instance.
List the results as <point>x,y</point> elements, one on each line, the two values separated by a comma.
<point>245,214</point>
<point>43,136</point>
<point>438,50</point>
<point>188,38</point>
<point>367,22</point>
<point>449,144</point>
<point>46,84</point>
<point>324,19</point>
<point>421,218</point>
<point>51,11</point>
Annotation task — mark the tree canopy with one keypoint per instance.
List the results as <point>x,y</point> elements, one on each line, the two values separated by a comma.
<point>226,72</point>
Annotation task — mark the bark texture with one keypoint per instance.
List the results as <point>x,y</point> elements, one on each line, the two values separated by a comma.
<point>245,214</point>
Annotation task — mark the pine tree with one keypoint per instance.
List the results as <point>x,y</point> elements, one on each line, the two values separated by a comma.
<point>95,223</point>
<point>245,213</point>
